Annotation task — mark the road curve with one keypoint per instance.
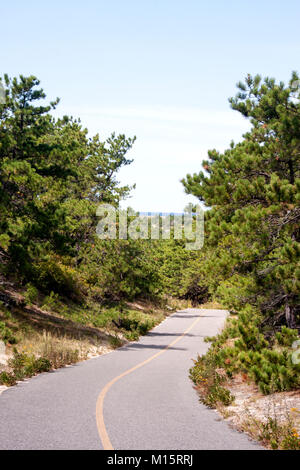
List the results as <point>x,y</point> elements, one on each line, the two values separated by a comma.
<point>137,397</point>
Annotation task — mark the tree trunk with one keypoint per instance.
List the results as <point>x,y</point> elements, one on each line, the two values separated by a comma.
<point>289,316</point>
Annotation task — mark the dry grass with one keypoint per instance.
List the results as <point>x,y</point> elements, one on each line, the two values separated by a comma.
<point>212,305</point>
<point>43,338</point>
<point>165,307</point>
<point>41,352</point>
<point>274,420</point>
<point>60,350</point>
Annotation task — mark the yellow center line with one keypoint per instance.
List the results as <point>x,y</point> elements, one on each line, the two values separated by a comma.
<point>106,443</point>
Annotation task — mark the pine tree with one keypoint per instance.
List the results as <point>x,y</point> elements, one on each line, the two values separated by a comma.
<point>253,192</point>
<point>52,176</point>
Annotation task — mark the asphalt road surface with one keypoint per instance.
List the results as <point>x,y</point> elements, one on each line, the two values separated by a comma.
<point>137,397</point>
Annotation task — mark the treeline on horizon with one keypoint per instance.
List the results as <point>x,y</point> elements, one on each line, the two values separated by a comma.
<point>53,176</point>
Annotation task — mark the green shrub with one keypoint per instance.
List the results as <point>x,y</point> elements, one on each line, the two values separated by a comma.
<point>56,274</point>
<point>271,369</point>
<point>132,335</point>
<point>133,323</point>
<point>115,342</point>
<point>7,379</point>
<point>42,364</point>
<point>51,302</point>
<point>269,365</point>
<point>291,441</point>
<point>278,435</point>
<point>21,365</point>
<point>26,365</point>
<point>287,336</point>
<point>209,382</point>
<point>218,394</point>
<point>31,294</point>
<point>274,371</point>
<point>6,334</point>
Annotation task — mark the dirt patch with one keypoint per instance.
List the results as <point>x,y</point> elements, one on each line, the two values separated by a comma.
<point>251,411</point>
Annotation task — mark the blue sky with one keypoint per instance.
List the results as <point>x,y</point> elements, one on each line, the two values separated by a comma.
<point>160,70</point>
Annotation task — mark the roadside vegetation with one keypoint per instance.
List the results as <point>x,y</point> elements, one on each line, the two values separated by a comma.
<point>253,252</point>
<point>64,292</point>
<point>45,340</point>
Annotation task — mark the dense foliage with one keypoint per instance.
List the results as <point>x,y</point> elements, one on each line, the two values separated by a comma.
<point>52,177</point>
<point>253,191</point>
<point>253,243</point>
